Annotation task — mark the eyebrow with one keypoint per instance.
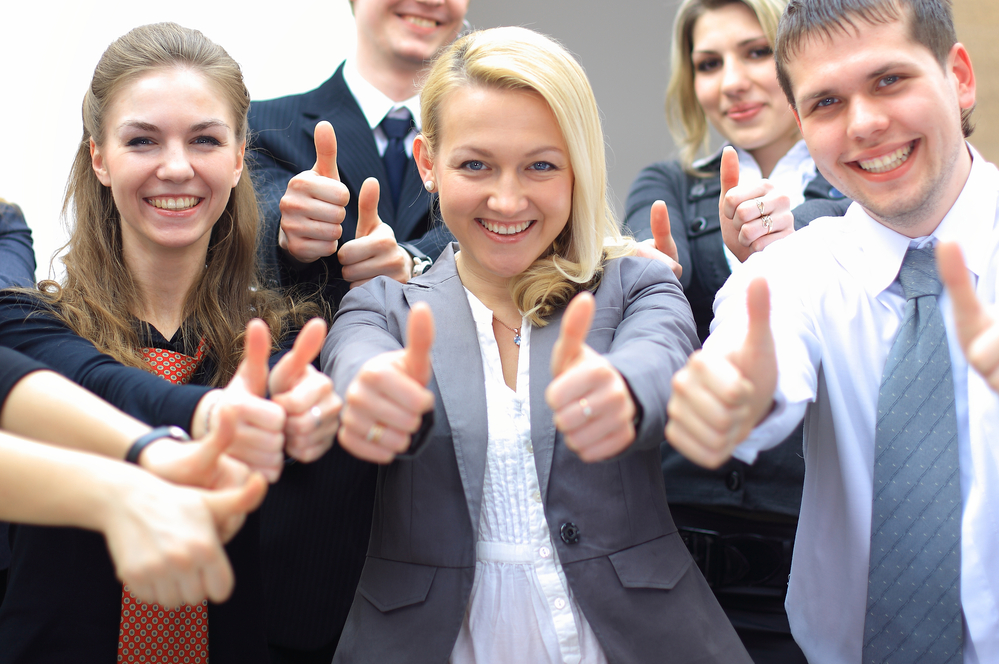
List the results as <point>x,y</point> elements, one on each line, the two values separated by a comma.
<point>532,153</point>
<point>744,42</point>
<point>145,126</point>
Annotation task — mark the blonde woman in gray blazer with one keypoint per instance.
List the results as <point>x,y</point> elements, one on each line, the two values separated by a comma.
<point>520,513</point>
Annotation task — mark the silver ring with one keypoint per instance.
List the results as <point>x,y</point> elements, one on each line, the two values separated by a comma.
<point>587,411</point>
<point>375,433</point>
<point>317,413</point>
<point>768,223</point>
<point>760,206</point>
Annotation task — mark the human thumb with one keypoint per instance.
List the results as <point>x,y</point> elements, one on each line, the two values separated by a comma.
<point>367,208</point>
<point>729,170</point>
<point>419,339</point>
<point>572,334</point>
<point>326,151</point>
<point>253,369</point>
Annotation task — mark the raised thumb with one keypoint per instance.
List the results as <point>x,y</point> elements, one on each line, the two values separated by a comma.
<point>253,369</point>
<point>326,151</point>
<point>757,360</point>
<point>419,339</point>
<point>970,318</point>
<point>288,371</point>
<point>227,506</point>
<point>367,208</point>
<point>729,170</point>
<point>572,334</point>
<point>659,221</point>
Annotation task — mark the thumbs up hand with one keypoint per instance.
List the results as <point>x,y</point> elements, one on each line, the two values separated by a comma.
<point>977,325</point>
<point>752,215</point>
<point>374,251</point>
<point>312,207</point>
<point>661,246</point>
<point>592,404</point>
<point>259,437</point>
<point>307,396</point>
<point>719,398</point>
<point>386,401</point>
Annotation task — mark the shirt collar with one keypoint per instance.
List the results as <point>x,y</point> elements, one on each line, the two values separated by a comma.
<point>873,252</point>
<point>374,104</point>
<point>791,173</point>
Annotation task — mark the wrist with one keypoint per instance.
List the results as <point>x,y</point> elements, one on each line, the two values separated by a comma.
<point>142,442</point>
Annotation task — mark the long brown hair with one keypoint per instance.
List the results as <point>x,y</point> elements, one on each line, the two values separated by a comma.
<point>99,296</point>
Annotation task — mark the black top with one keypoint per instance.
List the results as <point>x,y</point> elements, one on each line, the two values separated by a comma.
<point>772,484</point>
<point>63,600</point>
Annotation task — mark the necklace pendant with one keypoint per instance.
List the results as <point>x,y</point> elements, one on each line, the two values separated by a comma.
<point>516,338</point>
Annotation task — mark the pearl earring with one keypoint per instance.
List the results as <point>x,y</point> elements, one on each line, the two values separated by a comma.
<point>430,185</point>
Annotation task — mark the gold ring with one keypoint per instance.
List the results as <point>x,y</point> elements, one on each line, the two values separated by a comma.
<point>587,411</point>
<point>760,206</point>
<point>768,223</point>
<point>375,433</point>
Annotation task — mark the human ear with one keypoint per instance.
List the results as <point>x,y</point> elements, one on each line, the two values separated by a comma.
<point>959,66</point>
<point>424,160</point>
<point>97,163</point>
<point>238,170</point>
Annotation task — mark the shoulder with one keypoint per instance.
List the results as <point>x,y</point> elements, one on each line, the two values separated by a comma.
<point>274,113</point>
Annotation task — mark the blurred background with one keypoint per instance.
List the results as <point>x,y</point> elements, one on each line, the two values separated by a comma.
<point>49,49</point>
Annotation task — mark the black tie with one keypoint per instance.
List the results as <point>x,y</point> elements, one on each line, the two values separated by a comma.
<point>396,130</point>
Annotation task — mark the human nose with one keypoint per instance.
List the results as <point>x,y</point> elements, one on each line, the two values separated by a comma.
<point>866,119</point>
<point>734,79</point>
<point>508,198</point>
<point>176,167</point>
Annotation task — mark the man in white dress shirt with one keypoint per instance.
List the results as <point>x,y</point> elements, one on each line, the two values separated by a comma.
<point>881,91</point>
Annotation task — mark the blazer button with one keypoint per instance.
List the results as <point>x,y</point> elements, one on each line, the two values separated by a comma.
<point>569,533</point>
<point>734,481</point>
<point>698,225</point>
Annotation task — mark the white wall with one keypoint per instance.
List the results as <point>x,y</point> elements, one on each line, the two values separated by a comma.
<point>49,50</point>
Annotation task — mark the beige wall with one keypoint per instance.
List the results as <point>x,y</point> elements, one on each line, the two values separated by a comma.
<point>977,23</point>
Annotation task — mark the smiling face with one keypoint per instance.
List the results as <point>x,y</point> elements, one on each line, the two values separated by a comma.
<point>171,160</point>
<point>735,81</point>
<point>406,33</point>
<point>882,120</point>
<point>505,180</point>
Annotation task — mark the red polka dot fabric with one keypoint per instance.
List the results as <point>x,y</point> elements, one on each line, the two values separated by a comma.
<point>148,632</point>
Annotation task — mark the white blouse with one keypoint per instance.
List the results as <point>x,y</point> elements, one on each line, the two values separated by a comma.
<point>521,608</point>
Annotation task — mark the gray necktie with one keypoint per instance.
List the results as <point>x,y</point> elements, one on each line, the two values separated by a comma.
<point>913,595</point>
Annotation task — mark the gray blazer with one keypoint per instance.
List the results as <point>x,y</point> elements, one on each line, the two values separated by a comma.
<point>625,563</point>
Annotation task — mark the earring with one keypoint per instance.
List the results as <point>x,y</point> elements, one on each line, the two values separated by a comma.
<point>430,185</point>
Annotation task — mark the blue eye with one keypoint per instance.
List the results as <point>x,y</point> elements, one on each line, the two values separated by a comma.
<point>543,166</point>
<point>888,80</point>
<point>207,140</point>
<point>473,165</point>
<point>139,140</point>
<point>828,101</point>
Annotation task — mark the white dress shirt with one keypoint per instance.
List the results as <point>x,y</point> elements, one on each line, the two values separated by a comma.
<point>375,105</point>
<point>836,309</point>
<point>790,177</point>
<point>521,608</point>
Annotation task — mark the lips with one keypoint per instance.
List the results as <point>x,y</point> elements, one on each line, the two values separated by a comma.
<point>172,203</point>
<point>887,162</point>
<point>505,229</point>
<point>744,111</point>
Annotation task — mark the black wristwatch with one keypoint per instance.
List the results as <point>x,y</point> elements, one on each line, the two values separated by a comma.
<point>178,434</point>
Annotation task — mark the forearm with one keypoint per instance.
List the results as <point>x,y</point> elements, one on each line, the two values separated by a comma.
<point>84,421</point>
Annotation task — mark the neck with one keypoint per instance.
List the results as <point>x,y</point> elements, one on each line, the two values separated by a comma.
<point>397,79</point>
<point>494,293</point>
<point>768,156</point>
<point>164,283</point>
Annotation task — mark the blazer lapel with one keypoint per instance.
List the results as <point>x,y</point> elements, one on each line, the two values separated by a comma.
<point>542,425</point>
<point>458,372</point>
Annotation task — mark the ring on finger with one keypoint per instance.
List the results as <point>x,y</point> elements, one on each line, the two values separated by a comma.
<point>760,206</point>
<point>375,433</point>
<point>317,414</point>
<point>768,223</point>
<point>585,406</point>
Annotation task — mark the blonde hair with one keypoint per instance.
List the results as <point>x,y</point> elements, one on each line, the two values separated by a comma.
<point>521,59</point>
<point>684,115</point>
<point>99,297</point>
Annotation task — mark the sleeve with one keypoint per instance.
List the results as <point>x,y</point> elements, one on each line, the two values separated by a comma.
<point>815,208</point>
<point>795,337</point>
<point>17,255</point>
<point>653,340</point>
<point>432,243</point>
<point>13,367</point>
<point>25,326</point>
<point>661,181</point>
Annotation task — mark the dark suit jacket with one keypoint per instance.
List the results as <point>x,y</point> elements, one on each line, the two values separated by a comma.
<point>283,145</point>
<point>628,569</point>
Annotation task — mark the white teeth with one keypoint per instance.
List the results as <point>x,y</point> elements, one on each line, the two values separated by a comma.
<point>422,22</point>
<point>888,161</point>
<point>182,203</point>
<point>505,229</point>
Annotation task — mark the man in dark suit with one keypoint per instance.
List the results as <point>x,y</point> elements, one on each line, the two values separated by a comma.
<point>316,520</point>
